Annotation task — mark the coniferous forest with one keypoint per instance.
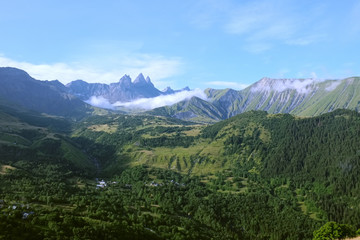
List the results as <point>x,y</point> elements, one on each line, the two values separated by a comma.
<point>253,176</point>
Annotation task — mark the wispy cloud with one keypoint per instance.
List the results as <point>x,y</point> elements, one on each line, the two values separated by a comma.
<point>333,85</point>
<point>250,18</point>
<point>156,66</point>
<point>224,84</point>
<point>355,18</point>
<point>148,103</point>
<point>302,86</point>
<point>206,13</point>
<point>263,24</point>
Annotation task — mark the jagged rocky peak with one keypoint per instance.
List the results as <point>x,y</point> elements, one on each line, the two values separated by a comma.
<point>185,89</point>
<point>125,80</point>
<point>140,79</point>
<point>168,90</point>
<point>148,80</point>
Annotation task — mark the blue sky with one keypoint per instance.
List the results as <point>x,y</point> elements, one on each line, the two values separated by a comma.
<point>202,43</point>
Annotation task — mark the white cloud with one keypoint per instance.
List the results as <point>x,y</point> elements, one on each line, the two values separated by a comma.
<point>156,66</point>
<point>266,23</point>
<point>148,103</point>
<point>224,84</point>
<point>305,40</point>
<point>302,86</point>
<point>333,85</point>
<point>261,20</point>
<point>160,101</point>
<point>100,102</point>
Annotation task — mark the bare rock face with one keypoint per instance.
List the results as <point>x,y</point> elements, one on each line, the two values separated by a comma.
<point>123,91</point>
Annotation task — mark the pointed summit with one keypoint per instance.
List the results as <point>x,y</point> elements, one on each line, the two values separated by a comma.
<point>140,79</point>
<point>148,81</point>
<point>168,90</point>
<point>125,81</point>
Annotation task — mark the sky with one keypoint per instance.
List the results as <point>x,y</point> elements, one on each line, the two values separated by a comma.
<point>200,44</point>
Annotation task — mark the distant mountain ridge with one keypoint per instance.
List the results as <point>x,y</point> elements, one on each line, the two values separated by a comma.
<point>51,97</point>
<point>123,91</point>
<point>302,97</point>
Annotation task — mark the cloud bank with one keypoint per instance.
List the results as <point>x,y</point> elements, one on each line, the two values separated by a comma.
<point>302,86</point>
<point>100,102</point>
<point>156,66</point>
<point>148,103</point>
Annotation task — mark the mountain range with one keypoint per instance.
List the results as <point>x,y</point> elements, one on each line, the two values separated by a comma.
<point>52,97</point>
<point>302,97</point>
<point>125,90</point>
<point>90,173</point>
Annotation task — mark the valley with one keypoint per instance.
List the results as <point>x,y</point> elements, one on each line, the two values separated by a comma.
<point>180,120</point>
<point>220,168</point>
<point>253,176</point>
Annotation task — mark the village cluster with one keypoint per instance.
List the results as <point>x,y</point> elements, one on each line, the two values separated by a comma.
<point>103,184</point>
<point>10,209</point>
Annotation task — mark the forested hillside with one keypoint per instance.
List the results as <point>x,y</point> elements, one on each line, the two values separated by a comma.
<point>253,176</point>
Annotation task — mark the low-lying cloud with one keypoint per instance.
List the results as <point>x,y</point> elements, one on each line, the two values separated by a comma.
<point>333,85</point>
<point>302,86</point>
<point>148,103</point>
<point>100,101</point>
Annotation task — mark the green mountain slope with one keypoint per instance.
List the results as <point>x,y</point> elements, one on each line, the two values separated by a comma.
<point>29,138</point>
<point>253,145</point>
<point>301,97</point>
<point>311,99</point>
<point>50,97</point>
<point>195,109</point>
<point>252,176</point>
